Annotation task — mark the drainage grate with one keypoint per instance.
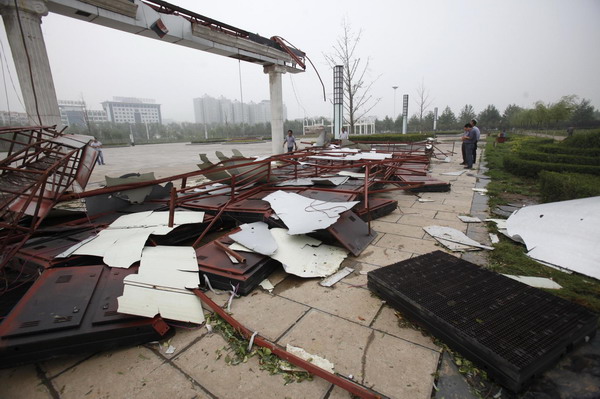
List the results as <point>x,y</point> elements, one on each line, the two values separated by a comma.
<point>513,330</point>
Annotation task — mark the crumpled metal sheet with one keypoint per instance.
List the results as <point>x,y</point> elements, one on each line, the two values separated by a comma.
<point>257,237</point>
<point>563,234</point>
<point>303,215</point>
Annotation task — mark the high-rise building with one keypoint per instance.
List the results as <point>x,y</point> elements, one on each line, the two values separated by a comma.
<point>222,111</point>
<point>132,110</point>
<point>16,119</point>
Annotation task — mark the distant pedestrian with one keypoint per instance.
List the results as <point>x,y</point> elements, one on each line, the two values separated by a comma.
<point>463,146</point>
<point>477,137</point>
<point>96,145</point>
<point>344,134</point>
<point>570,131</point>
<point>290,142</point>
<point>469,140</point>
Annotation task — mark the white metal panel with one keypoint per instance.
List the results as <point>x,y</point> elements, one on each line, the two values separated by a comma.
<point>257,237</point>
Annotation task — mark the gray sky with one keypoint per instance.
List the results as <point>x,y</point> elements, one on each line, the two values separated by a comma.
<point>478,52</point>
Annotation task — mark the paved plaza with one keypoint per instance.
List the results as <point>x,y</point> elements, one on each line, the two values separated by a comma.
<point>345,324</point>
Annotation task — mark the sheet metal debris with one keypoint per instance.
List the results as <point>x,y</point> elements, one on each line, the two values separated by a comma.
<point>303,215</point>
<point>469,219</point>
<point>121,243</point>
<point>161,285</point>
<point>257,237</point>
<point>334,278</point>
<point>537,282</point>
<point>318,361</point>
<point>454,240</point>
<point>563,234</point>
<point>304,256</point>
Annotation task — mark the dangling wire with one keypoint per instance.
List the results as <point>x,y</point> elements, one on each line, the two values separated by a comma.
<point>37,109</point>
<point>6,92</point>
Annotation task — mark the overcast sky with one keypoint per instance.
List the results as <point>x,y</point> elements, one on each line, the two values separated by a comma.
<point>477,52</point>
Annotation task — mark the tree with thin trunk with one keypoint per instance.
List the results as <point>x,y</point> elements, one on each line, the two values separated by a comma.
<point>358,99</point>
<point>423,103</point>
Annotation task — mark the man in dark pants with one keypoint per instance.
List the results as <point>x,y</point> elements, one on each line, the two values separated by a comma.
<point>469,141</point>
<point>477,136</point>
<point>462,147</point>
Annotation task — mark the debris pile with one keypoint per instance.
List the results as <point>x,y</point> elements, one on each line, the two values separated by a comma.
<point>129,260</point>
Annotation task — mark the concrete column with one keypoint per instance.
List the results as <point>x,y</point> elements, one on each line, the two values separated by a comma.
<point>31,59</point>
<point>276,92</point>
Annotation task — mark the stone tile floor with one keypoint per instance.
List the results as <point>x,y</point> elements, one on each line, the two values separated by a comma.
<point>346,324</point>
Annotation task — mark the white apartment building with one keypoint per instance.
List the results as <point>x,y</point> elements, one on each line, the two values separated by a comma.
<point>132,110</point>
<point>222,111</point>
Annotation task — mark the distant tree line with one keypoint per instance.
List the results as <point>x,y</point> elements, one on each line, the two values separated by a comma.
<point>568,111</point>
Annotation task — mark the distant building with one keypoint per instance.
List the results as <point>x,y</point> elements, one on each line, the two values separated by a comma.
<point>222,111</point>
<point>74,112</point>
<point>15,119</point>
<point>132,110</point>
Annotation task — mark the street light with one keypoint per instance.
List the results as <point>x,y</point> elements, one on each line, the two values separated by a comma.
<point>394,116</point>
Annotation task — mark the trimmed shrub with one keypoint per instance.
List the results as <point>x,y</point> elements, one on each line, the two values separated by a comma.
<point>562,149</point>
<point>525,167</point>
<point>583,140</point>
<point>556,186</point>
<point>559,158</point>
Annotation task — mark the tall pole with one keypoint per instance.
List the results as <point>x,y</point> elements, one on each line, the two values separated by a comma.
<point>338,101</point>
<point>394,116</point>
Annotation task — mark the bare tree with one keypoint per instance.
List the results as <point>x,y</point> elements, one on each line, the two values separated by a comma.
<point>423,102</point>
<point>358,100</point>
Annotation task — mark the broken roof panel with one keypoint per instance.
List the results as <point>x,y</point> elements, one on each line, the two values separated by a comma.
<point>160,287</point>
<point>453,239</point>
<point>563,234</point>
<point>257,237</point>
<point>305,256</point>
<point>304,215</point>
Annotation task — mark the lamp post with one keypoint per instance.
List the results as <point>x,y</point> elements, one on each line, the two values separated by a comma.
<point>394,116</point>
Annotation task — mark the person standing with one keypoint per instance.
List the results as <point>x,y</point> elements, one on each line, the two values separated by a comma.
<point>290,141</point>
<point>477,137</point>
<point>469,139</point>
<point>96,145</point>
<point>344,134</point>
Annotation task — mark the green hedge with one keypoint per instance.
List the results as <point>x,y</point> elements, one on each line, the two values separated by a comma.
<point>404,138</point>
<point>525,167</point>
<point>562,149</point>
<point>566,186</point>
<point>559,158</point>
<point>583,140</point>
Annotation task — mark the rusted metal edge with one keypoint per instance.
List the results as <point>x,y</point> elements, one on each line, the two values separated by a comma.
<point>343,383</point>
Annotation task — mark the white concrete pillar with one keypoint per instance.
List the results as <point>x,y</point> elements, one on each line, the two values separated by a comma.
<point>276,93</point>
<point>31,59</point>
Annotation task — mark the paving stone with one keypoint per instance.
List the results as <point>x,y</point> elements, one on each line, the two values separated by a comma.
<point>398,229</point>
<point>342,300</point>
<point>392,366</point>
<point>168,382</point>
<point>245,380</point>
<point>392,217</point>
<point>379,256</point>
<point>180,341</point>
<point>270,315</point>
<point>117,374</point>
<point>53,367</point>
<point>357,278</point>
<point>426,213</point>
<point>340,341</point>
<point>416,220</point>
<point>399,369</point>
<point>387,321</point>
<point>407,244</point>
<point>22,382</point>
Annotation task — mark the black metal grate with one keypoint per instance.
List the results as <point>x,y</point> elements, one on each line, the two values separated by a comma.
<point>512,329</point>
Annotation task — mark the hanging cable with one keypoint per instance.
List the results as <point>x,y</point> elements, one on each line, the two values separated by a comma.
<point>12,81</point>
<point>37,108</point>
<point>6,92</point>
<point>295,95</point>
<point>311,63</point>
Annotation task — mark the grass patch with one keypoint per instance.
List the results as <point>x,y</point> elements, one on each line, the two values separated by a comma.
<point>509,257</point>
